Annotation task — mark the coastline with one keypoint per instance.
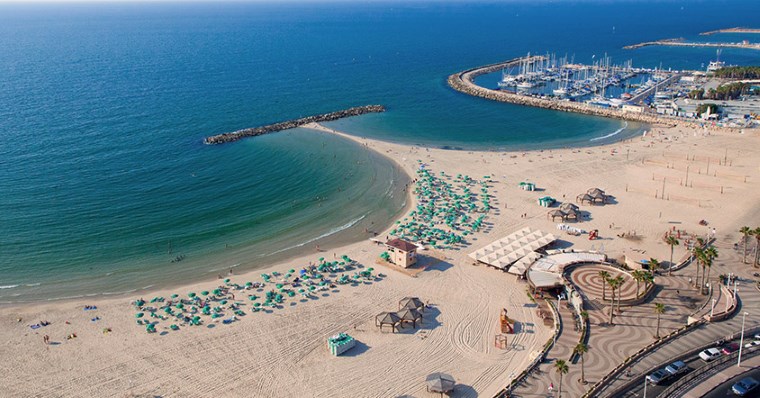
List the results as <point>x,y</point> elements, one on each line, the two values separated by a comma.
<point>466,299</point>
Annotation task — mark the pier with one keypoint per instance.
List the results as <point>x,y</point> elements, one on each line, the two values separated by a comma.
<point>464,83</point>
<point>290,124</point>
<point>731,30</point>
<point>681,43</point>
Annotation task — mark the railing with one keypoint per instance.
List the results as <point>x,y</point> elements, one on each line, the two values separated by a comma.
<point>689,381</point>
<point>507,391</point>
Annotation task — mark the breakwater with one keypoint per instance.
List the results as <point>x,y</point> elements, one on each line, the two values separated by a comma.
<point>290,124</point>
<point>731,30</point>
<point>679,43</point>
<point>464,83</point>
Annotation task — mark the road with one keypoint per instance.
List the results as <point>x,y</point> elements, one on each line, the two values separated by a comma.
<point>724,390</point>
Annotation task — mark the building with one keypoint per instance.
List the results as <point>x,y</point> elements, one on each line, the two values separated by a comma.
<point>402,253</point>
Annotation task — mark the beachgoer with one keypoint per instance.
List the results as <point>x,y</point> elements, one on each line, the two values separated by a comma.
<point>46,339</point>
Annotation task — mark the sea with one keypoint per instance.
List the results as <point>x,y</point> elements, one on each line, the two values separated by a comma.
<point>106,187</point>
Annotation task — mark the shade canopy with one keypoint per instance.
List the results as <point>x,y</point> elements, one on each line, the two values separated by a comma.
<point>440,382</point>
<point>411,303</point>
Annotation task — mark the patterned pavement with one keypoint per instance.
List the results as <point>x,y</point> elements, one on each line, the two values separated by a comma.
<point>610,345</point>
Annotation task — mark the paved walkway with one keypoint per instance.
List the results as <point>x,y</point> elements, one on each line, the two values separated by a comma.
<point>728,261</point>
<point>609,345</point>
<point>635,328</point>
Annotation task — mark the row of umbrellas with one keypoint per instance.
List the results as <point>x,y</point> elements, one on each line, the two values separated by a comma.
<point>190,309</point>
<point>445,213</point>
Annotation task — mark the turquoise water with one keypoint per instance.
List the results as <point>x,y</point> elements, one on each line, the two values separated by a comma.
<point>103,177</point>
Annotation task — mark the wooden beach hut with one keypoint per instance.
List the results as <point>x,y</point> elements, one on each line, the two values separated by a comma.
<point>410,315</point>
<point>401,252</point>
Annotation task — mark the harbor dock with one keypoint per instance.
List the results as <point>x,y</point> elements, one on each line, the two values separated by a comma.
<point>464,82</point>
<point>290,124</point>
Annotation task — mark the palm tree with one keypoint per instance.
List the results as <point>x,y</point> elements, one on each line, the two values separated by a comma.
<point>756,234</point>
<point>648,279</point>
<point>561,366</point>
<point>584,316</point>
<point>605,276</point>
<point>654,264</point>
<point>613,282</point>
<point>659,309</point>
<point>672,241</point>
<point>746,232</point>
<point>638,276</point>
<point>581,349</point>
<point>697,253</point>
<point>711,253</point>
<point>619,281</point>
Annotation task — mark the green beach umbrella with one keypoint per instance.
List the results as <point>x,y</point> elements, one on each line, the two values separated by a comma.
<point>139,315</point>
<point>204,293</point>
<point>191,294</point>
<point>175,295</point>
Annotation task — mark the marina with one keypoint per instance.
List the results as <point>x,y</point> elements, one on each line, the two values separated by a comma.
<point>607,89</point>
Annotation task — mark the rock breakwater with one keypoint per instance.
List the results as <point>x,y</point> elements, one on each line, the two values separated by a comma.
<point>290,124</point>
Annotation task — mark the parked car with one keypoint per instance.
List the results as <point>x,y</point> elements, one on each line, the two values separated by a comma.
<point>676,368</point>
<point>745,386</point>
<point>730,348</point>
<point>658,376</point>
<point>752,344</point>
<point>709,354</point>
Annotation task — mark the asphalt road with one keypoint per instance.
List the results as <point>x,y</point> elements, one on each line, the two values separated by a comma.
<point>724,390</point>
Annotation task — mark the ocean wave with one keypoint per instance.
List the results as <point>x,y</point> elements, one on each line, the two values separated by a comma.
<point>33,284</point>
<point>223,268</point>
<point>612,134</point>
<point>324,235</point>
<point>8,286</point>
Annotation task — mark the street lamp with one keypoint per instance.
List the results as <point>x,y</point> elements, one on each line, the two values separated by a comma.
<point>712,309</point>
<point>741,341</point>
<point>645,387</point>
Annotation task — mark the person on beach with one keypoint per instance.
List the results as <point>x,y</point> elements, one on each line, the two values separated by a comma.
<point>46,339</point>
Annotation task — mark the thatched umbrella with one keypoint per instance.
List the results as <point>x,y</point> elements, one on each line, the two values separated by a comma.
<point>440,382</point>
<point>387,318</point>
<point>597,195</point>
<point>584,198</point>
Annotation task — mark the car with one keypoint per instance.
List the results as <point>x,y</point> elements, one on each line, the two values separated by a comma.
<point>745,386</point>
<point>730,348</point>
<point>752,344</point>
<point>676,368</point>
<point>757,336</point>
<point>709,354</point>
<point>658,376</point>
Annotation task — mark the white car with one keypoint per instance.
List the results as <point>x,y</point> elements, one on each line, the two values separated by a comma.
<point>709,354</point>
<point>752,343</point>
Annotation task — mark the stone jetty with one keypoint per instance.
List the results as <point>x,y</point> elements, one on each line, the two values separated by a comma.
<point>680,43</point>
<point>290,124</point>
<point>464,83</point>
<point>731,30</point>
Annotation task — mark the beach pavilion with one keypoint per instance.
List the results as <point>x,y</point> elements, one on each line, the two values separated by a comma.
<point>410,315</point>
<point>505,251</point>
<point>597,196</point>
<point>440,382</point>
<point>413,303</point>
<point>584,197</point>
<point>571,211</point>
<point>387,318</point>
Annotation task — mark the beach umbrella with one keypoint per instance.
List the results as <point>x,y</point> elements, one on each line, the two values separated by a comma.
<point>139,315</point>
<point>257,304</point>
<point>179,306</point>
<point>175,295</point>
<point>174,327</point>
<point>249,284</point>
<point>217,292</point>
<point>252,298</point>
<point>223,302</point>
<point>191,294</point>
<point>204,293</point>
<point>279,285</point>
<point>227,280</point>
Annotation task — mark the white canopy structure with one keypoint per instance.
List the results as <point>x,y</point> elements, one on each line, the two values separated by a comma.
<point>522,265</point>
<point>505,251</point>
<point>547,271</point>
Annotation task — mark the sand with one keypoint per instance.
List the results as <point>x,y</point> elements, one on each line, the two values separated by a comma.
<point>284,353</point>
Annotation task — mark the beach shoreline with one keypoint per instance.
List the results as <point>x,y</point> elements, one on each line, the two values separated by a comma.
<point>465,300</point>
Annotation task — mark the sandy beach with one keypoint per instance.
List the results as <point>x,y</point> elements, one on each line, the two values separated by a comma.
<point>282,352</point>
